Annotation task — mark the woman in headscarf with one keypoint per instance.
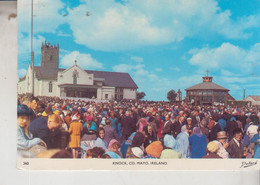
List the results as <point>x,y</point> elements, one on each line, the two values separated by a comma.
<point>169,151</point>
<point>136,149</point>
<point>198,143</point>
<point>114,146</point>
<point>153,150</point>
<point>182,142</point>
<point>126,144</point>
<point>100,142</point>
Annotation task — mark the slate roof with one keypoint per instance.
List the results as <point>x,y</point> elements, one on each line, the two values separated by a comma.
<point>207,86</point>
<point>114,79</point>
<point>44,73</point>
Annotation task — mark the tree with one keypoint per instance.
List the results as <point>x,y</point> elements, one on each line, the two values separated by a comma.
<point>140,95</point>
<point>171,95</point>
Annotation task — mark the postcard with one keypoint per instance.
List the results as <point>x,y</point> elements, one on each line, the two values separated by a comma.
<point>137,85</point>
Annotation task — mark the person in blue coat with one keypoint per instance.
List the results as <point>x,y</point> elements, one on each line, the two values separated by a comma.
<point>25,140</point>
<point>198,143</point>
<point>256,140</point>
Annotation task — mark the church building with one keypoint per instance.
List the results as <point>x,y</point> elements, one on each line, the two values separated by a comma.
<point>208,93</point>
<point>50,80</point>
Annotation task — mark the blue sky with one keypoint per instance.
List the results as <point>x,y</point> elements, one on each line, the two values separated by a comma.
<point>162,44</point>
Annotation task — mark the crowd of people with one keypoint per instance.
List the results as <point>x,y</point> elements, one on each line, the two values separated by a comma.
<point>51,127</point>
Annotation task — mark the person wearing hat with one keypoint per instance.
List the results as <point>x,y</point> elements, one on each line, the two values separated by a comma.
<point>212,149</point>
<point>235,148</point>
<point>256,141</point>
<point>25,139</point>
<point>222,144</point>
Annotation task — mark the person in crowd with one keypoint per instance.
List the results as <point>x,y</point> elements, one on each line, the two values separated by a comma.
<point>169,149</point>
<point>182,142</point>
<point>141,124</point>
<point>100,142</point>
<point>231,125</point>
<point>31,103</point>
<point>46,129</point>
<point>126,143</point>
<point>75,132</point>
<point>25,140</point>
<point>149,135</point>
<point>166,128</point>
<point>128,125</point>
<point>212,149</point>
<point>114,146</point>
<point>189,125</point>
<point>136,149</point>
<point>176,126</point>
<point>198,143</point>
<point>95,152</point>
<point>153,150</point>
<point>67,118</point>
<point>204,129</point>
<point>222,144</point>
<point>113,119</point>
<point>235,148</point>
<point>110,133</point>
<point>256,141</point>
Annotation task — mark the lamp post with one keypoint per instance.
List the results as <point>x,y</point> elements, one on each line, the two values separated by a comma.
<point>32,53</point>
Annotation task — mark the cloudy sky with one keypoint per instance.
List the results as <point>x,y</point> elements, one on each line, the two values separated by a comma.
<point>162,44</point>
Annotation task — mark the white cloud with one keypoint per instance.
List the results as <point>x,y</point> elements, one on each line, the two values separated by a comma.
<point>46,15</point>
<point>24,47</point>
<point>114,26</point>
<point>123,68</point>
<point>229,58</point>
<point>22,72</point>
<point>158,69</point>
<point>137,59</point>
<point>83,60</point>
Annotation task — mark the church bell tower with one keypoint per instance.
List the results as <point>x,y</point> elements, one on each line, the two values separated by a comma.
<point>50,56</point>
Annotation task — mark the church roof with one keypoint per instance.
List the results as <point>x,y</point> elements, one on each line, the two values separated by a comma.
<point>43,73</point>
<point>207,86</point>
<point>114,79</point>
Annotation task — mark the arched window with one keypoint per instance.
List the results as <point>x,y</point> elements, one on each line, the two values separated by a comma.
<point>50,86</point>
<point>75,76</point>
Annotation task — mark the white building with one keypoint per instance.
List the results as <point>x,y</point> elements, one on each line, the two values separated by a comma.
<point>50,80</point>
<point>255,100</point>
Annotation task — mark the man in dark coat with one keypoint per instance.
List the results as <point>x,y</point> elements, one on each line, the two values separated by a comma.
<point>235,148</point>
<point>231,126</point>
<point>166,128</point>
<point>128,125</point>
<point>46,129</point>
<point>176,127</point>
<point>213,134</point>
<point>195,119</point>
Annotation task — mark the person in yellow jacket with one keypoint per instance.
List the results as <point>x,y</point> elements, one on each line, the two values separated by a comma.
<point>75,131</point>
